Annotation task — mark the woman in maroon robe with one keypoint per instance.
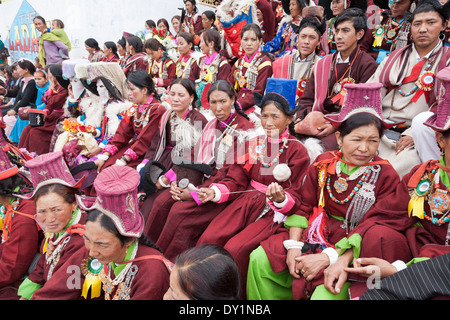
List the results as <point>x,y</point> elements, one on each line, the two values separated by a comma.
<point>19,232</point>
<point>271,174</point>
<point>137,129</point>
<point>119,260</point>
<point>177,218</point>
<point>422,198</point>
<point>179,130</point>
<point>212,66</point>
<point>63,223</point>
<point>339,204</point>
<point>37,139</point>
<point>137,59</point>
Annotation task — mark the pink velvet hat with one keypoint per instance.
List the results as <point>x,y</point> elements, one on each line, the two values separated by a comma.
<point>360,97</point>
<point>49,168</point>
<point>440,121</point>
<point>116,188</point>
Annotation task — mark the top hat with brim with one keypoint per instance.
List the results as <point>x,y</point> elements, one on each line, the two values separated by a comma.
<point>49,168</point>
<point>440,121</point>
<point>117,189</point>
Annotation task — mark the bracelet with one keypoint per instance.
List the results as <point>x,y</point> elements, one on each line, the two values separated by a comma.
<point>332,255</point>
<point>124,159</point>
<point>292,244</point>
<point>103,157</point>
<point>119,162</point>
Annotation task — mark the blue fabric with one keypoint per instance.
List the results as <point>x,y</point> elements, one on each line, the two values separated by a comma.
<point>278,41</point>
<point>285,87</point>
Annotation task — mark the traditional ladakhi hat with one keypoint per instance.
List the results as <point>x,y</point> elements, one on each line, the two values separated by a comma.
<point>440,121</point>
<point>49,168</point>
<point>361,98</point>
<point>285,99</point>
<point>109,72</point>
<point>117,189</point>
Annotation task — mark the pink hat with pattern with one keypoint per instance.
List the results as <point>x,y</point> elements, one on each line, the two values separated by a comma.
<point>361,98</point>
<point>440,121</point>
<point>49,168</point>
<point>116,188</point>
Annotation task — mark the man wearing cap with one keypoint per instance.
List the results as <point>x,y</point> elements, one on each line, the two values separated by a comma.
<point>325,92</point>
<point>408,77</point>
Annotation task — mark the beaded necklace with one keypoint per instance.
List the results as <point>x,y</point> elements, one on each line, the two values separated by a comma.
<point>423,84</point>
<point>439,201</point>
<point>261,155</point>
<point>15,204</point>
<point>173,118</point>
<point>341,186</point>
<point>393,28</point>
<point>123,280</point>
<point>144,111</point>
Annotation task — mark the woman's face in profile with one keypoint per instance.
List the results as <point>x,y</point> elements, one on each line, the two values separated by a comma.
<point>175,292</point>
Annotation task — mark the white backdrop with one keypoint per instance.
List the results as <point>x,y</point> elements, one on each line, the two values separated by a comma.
<point>103,20</point>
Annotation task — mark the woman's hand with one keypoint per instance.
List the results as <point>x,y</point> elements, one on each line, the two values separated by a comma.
<point>205,194</point>
<point>310,265</point>
<point>366,267</point>
<point>325,130</point>
<point>179,194</point>
<point>99,163</point>
<point>291,255</point>
<point>405,142</point>
<point>275,192</point>
<point>335,276</point>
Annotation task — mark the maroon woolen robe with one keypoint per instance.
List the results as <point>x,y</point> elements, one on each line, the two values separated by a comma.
<point>166,158</point>
<point>335,213</point>
<point>19,250</point>
<point>56,288</point>
<point>244,95</point>
<point>37,139</point>
<point>222,72</point>
<point>170,67</point>
<point>176,225</point>
<point>151,280</point>
<point>239,227</point>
